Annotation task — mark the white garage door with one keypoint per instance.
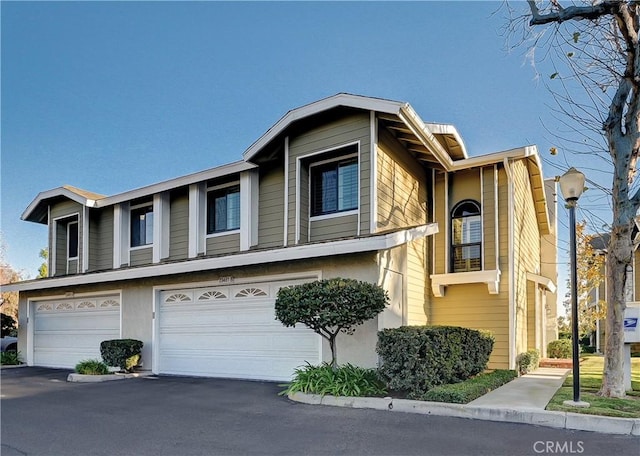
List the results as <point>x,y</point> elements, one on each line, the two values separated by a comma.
<point>67,331</point>
<point>230,332</point>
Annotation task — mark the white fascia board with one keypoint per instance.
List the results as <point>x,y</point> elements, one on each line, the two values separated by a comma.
<point>542,281</point>
<point>497,157</point>
<point>341,99</point>
<point>183,181</point>
<point>418,127</point>
<point>301,252</point>
<point>448,129</point>
<point>55,192</point>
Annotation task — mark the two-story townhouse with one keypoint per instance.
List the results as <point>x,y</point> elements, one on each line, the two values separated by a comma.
<point>347,186</point>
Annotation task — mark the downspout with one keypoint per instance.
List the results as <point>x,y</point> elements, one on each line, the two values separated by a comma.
<point>512,310</point>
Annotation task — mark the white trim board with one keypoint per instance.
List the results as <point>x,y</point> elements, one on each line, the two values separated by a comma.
<point>307,251</point>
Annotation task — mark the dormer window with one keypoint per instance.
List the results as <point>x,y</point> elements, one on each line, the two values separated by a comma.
<point>142,225</point>
<point>466,237</point>
<point>72,240</point>
<point>334,187</point>
<point>223,209</point>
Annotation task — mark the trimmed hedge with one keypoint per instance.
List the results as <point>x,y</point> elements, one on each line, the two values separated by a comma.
<point>122,353</point>
<point>528,361</point>
<point>467,391</point>
<point>414,359</point>
<point>560,348</point>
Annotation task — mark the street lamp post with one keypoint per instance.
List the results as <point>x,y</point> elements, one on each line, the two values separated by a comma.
<point>572,186</point>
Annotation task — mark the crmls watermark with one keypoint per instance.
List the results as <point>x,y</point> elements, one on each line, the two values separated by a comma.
<point>558,447</point>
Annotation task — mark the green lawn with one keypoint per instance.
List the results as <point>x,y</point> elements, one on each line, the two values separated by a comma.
<point>590,382</point>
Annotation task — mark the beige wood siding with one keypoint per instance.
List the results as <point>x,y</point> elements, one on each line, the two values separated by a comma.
<point>489,218</point>
<point>222,244</point>
<point>271,208</point>
<point>179,225</point>
<point>526,248</point>
<point>140,256</point>
<point>333,228</point>
<point>471,306</point>
<point>101,239</point>
<point>401,182</point>
<point>418,293</point>
<point>440,239</point>
<point>464,185</point>
<point>347,129</point>
<point>531,315</point>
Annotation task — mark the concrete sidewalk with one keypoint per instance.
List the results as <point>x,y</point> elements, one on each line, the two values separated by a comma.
<point>522,400</point>
<point>531,391</point>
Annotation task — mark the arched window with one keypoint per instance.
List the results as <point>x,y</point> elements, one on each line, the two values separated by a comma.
<point>466,237</point>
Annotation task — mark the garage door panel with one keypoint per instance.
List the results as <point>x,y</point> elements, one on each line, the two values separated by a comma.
<point>71,321</point>
<point>256,342</point>
<point>222,314</point>
<point>230,332</point>
<point>71,330</point>
<point>229,365</point>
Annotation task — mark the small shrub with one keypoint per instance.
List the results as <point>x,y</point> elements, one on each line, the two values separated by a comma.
<point>467,391</point>
<point>560,348</point>
<point>10,358</point>
<point>122,353</point>
<point>92,367</point>
<point>414,359</point>
<point>528,361</point>
<point>345,380</point>
<point>587,349</point>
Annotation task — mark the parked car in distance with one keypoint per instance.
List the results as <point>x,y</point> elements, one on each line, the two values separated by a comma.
<point>8,343</point>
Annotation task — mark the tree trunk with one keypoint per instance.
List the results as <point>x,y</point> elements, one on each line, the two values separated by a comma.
<point>334,351</point>
<point>619,256</point>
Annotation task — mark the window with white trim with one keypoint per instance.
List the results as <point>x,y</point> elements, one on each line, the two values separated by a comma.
<point>142,225</point>
<point>334,187</point>
<point>223,209</point>
<point>72,240</point>
<point>466,237</point>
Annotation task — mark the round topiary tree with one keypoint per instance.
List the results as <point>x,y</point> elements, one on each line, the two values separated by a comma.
<point>330,306</point>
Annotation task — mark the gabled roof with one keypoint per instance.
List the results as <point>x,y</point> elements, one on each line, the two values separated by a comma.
<point>37,211</point>
<point>436,143</point>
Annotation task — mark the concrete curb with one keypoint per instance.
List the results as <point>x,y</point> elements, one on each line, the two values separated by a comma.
<point>12,366</point>
<point>81,378</point>
<point>559,420</point>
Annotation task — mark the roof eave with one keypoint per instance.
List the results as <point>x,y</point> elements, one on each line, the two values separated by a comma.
<point>220,171</point>
<point>300,252</point>
<point>42,197</point>
<point>341,99</point>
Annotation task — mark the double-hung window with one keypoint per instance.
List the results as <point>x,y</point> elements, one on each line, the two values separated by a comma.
<point>334,187</point>
<point>142,226</point>
<point>466,237</point>
<point>223,209</point>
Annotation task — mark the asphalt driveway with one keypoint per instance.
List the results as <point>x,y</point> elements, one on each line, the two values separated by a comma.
<point>42,414</point>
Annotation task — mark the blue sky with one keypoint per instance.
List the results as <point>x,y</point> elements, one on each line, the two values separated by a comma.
<point>111,96</point>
